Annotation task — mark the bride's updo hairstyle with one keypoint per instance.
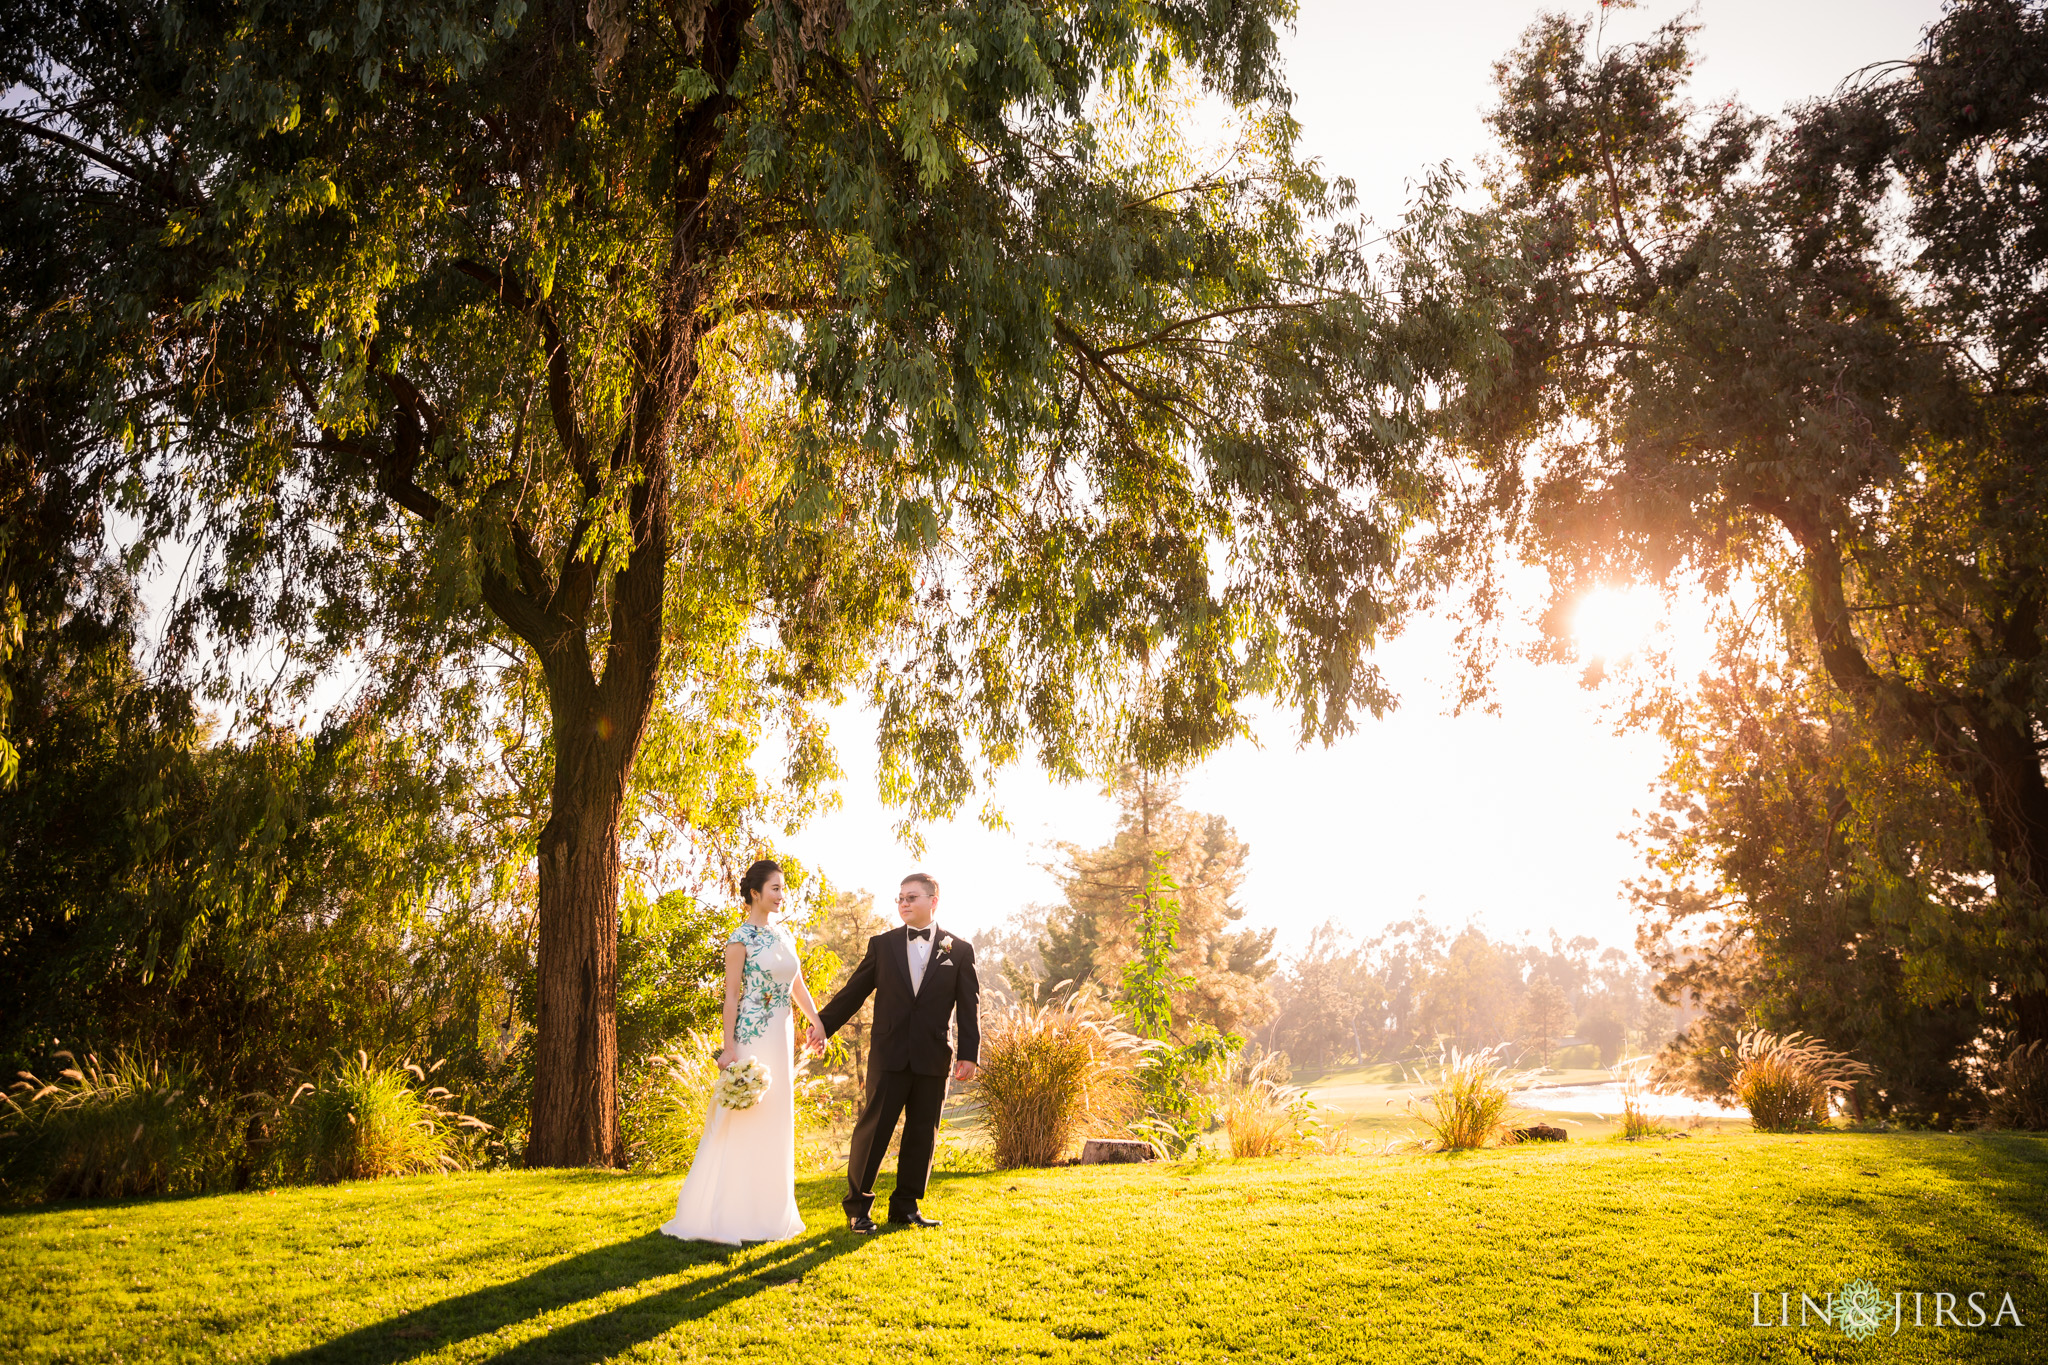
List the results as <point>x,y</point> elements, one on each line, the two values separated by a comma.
<point>757,877</point>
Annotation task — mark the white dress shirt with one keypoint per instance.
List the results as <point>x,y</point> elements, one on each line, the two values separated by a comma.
<point>920,954</point>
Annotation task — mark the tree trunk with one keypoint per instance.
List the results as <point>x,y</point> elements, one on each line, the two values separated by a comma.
<point>1991,756</point>
<point>576,1048</point>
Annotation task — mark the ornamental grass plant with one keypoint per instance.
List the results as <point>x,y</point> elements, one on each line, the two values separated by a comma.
<point>1636,1122</point>
<point>362,1120</point>
<point>667,1102</point>
<point>1263,1116</point>
<point>124,1127</point>
<point>1790,1081</point>
<point>1051,1072</point>
<point>1471,1103</point>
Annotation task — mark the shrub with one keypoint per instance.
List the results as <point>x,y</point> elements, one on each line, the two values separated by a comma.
<point>667,1102</point>
<point>1790,1081</point>
<point>666,1099</point>
<point>364,1121</point>
<point>117,1129</point>
<point>1472,1103</point>
<point>1177,1085</point>
<point>2019,1088</point>
<point>1050,1072</point>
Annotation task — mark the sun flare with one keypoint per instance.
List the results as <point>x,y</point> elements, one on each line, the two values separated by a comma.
<point>1613,623</point>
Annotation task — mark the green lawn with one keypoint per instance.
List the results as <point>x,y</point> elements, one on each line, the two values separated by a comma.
<point>1581,1251</point>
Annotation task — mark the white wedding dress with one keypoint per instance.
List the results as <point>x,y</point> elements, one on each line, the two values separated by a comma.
<point>742,1182</point>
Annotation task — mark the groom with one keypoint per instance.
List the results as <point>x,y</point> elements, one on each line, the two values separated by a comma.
<point>921,977</point>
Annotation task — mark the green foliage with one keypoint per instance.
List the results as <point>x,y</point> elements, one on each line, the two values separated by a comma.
<point>361,1120</point>
<point>1809,823</point>
<point>990,304</point>
<point>683,353</point>
<point>1115,928</point>
<point>671,972</point>
<point>1149,981</point>
<point>2019,1088</point>
<point>667,1101</point>
<point>1177,1088</point>
<point>126,1127</point>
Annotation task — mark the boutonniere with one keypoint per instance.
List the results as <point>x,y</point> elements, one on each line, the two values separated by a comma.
<point>946,945</point>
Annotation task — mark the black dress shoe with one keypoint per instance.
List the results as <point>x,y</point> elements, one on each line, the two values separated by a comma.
<point>862,1224</point>
<point>913,1219</point>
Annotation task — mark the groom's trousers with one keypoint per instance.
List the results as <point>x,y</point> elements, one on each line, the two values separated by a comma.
<point>914,1098</point>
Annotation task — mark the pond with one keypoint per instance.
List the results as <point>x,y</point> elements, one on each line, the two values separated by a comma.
<point>1605,1098</point>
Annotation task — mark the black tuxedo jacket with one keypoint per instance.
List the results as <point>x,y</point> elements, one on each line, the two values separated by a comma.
<point>910,1028</point>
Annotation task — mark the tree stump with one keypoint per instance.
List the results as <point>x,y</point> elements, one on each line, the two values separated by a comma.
<point>1100,1151</point>
<point>1540,1132</point>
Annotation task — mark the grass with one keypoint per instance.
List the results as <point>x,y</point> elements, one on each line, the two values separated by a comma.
<point>1578,1252</point>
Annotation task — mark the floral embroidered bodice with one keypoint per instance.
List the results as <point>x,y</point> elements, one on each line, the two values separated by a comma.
<point>765,980</point>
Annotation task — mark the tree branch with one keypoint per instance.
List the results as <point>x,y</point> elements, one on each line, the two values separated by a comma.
<point>561,384</point>
<point>1164,333</point>
<point>141,177</point>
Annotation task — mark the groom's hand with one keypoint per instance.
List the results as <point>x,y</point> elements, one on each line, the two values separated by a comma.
<point>816,1042</point>
<point>964,1072</point>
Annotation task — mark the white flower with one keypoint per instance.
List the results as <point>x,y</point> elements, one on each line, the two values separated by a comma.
<point>946,944</point>
<point>741,1085</point>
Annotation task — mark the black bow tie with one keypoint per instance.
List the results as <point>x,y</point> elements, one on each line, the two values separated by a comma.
<point>924,933</point>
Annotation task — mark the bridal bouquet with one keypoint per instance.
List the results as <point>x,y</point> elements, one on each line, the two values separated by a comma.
<point>742,1084</point>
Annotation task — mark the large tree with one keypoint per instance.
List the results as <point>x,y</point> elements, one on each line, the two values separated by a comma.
<point>1799,364</point>
<point>832,330</point>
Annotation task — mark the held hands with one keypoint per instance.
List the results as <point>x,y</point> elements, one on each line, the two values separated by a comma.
<point>814,1041</point>
<point>965,1071</point>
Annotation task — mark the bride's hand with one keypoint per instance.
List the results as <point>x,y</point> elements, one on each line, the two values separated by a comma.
<point>726,1056</point>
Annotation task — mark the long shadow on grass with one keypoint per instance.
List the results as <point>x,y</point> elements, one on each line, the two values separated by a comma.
<point>579,1278</point>
<point>2005,1170</point>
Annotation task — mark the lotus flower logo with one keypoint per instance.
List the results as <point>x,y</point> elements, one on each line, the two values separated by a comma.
<point>1860,1310</point>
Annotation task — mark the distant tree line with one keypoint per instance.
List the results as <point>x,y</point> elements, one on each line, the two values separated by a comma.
<point>1414,988</point>
<point>1403,993</point>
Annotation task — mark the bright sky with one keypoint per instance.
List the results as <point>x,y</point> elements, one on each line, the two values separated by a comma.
<point>1514,820</point>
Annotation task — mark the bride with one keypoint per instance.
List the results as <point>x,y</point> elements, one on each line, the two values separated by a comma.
<point>742,1182</point>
